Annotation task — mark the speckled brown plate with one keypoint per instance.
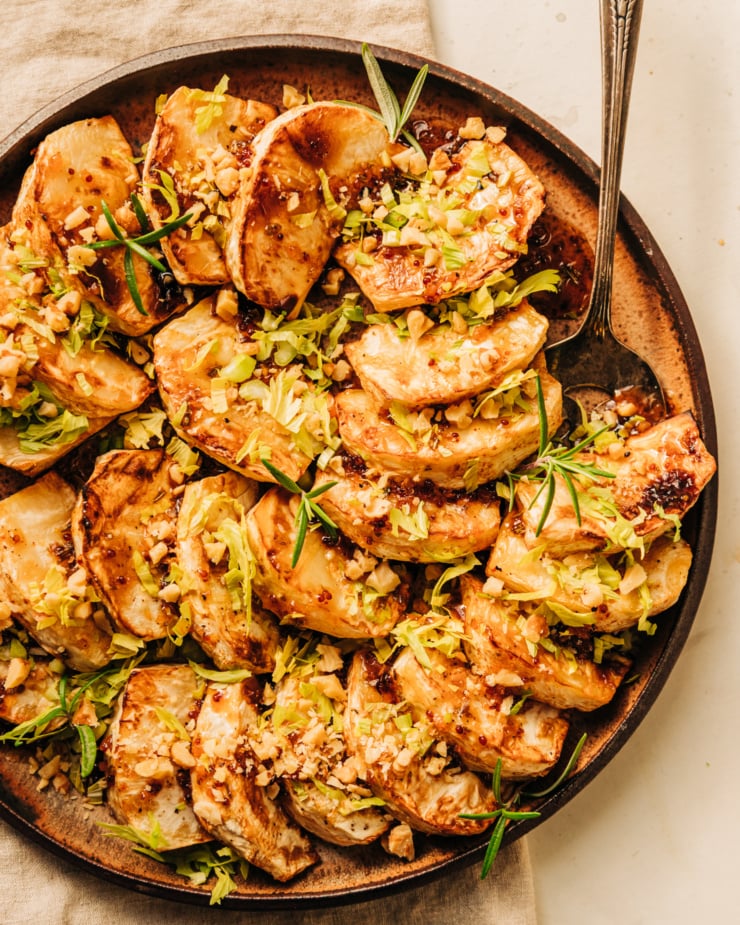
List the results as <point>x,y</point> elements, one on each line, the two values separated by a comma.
<point>651,315</point>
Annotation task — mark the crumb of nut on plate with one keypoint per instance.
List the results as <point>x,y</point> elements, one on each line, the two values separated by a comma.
<point>303,554</point>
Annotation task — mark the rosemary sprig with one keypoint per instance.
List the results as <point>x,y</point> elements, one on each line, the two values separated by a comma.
<point>45,725</point>
<point>392,114</point>
<point>559,460</point>
<point>308,510</point>
<point>137,245</point>
<point>506,814</point>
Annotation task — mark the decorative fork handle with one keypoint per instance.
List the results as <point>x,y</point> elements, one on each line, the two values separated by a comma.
<point>620,27</point>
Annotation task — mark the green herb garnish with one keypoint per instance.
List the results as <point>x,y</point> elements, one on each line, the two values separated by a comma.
<point>559,460</point>
<point>506,812</point>
<point>393,116</point>
<point>308,509</point>
<point>60,718</point>
<point>137,245</point>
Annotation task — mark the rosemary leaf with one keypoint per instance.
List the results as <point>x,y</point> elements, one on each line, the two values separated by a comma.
<point>301,522</point>
<point>387,100</point>
<point>392,115</point>
<point>281,478</point>
<point>133,286</point>
<point>140,214</point>
<point>413,97</point>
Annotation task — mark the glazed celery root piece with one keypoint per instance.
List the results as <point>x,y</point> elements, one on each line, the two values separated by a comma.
<point>75,169</point>
<point>282,202</point>
<point>406,519</point>
<point>228,798</point>
<point>123,527</point>
<point>305,742</point>
<point>476,719</point>
<point>422,786</point>
<point>147,755</point>
<point>200,142</point>
<point>45,588</point>
<point>505,638</point>
<point>233,631</point>
<point>446,455</point>
<point>189,352</point>
<point>330,589</point>
<point>657,477</point>
<point>612,593</point>
<point>444,365</point>
<point>500,199</point>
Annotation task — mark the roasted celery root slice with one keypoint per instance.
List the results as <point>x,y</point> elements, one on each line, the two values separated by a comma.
<point>282,230</point>
<point>36,461</point>
<point>444,365</point>
<point>402,762</point>
<point>319,809</point>
<point>46,350</point>
<point>28,688</point>
<point>612,594</point>
<point>475,718</point>
<point>41,581</point>
<point>499,198</point>
<point>147,755</point>
<point>210,545</point>
<point>450,456</point>
<point>96,382</point>
<point>408,520</point>
<point>200,142</point>
<point>658,476</point>
<point>505,639</point>
<point>228,798</point>
<point>305,742</point>
<point>188,354</point>
<point>75,169</point>
<point>124,534</point>
<point>331,589</point>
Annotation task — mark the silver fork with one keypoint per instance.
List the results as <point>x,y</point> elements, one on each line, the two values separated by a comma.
<point>593,358</point>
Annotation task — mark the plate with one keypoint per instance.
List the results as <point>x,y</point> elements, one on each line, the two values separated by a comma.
<point>650,314</point>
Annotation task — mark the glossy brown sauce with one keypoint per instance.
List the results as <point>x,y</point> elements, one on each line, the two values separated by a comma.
<point>557,245</point>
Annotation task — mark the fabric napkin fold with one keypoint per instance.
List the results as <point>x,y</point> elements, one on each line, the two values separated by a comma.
<point>50,47</point>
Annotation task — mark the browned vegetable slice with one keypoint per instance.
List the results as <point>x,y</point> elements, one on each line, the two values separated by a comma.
<point>124,533</point>
<point>332,588</point>
<point>402,760</point>
<point>231,627</point>
<point>444,365</point>
<point>194,159</point>
<point>476,718</point>
<point>658,476</point>
<point>228,797</point>
<point>479,223</point>
<point>407,519</point>
<point>76,168</point>
<point>507,640</point>
<point>148,755</point>
<point>189,354</point>
<point>611,593</point>
<point>283,224</point>
<point>473,452</point>
<point>47,590</point>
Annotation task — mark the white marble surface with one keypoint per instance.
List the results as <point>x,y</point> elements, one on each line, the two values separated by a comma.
<point>654,838</point>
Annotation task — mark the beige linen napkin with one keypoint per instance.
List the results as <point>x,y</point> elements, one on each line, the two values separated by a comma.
<point>49,47</point>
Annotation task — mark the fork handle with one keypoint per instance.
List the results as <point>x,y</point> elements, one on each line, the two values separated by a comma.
<point>620,27</point>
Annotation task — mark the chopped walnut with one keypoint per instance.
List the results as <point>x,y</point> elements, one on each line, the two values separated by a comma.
<point>18,671</point>
<point>474,128</point>
<point>292,97</point>
<point>399,841</point>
